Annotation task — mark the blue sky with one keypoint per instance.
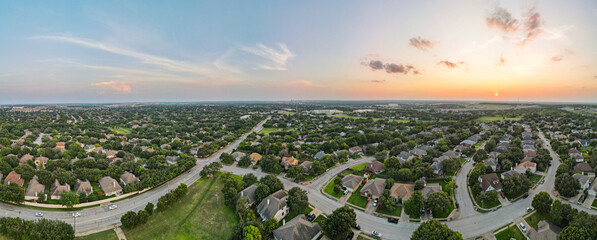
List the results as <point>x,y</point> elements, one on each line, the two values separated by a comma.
<point>115,51</point>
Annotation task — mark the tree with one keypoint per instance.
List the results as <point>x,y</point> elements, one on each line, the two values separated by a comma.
<point>438,202</point>
<point>249,179</point>
<point>261,192</point>
<point>149,208</point>
<point>251,233</point>
<point>388,202</point>
<point>451,165</point>
<point>270,164</point>
<point>566,185</point>
<point>211,170</point>
<point>161,206</point>
<point>249,215</point>
<point>392,163</point>
<point>419,184</point>
<point>297,172</point>
<point>12,193</point>
<point>574,233</point>
<point>272,182</point>
<point>129,219</point>
<point>450,187</point>
<point>404,174</point>
<point>515,186</point>
<point>434,230</point>
<point>181,190</point>
<point>480,155</point>
<point>340,222</point>
<point>242,204</point>
<point>142,217</point>
<point>413,205</point>
<point>297,199</point>
<point>244,161</point>
<point>318,167</point>
<point>226,158</point>
<point>69,199</point>
<point>542,202</point>
<point>556,212</point>
<point>270,225</point>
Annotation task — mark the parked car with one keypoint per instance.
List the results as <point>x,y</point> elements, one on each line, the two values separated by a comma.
<point>39,214</point>
<point>350,235</point>
<point>345,192</point>
<point>375,203</point>
<point>76,214</point>
<point>526,195</point>
<point>523,228</point>
<point>376,234</point>
<point>502,195</point>
<point>112,207</point>
<point>542,181</point>
<point>529,209</point>
<point>357,227</point>
<point>393,220</point>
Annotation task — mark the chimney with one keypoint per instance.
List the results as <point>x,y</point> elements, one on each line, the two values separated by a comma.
<point>242,194</point>
<point>268,201</point>
<point>114,183</point>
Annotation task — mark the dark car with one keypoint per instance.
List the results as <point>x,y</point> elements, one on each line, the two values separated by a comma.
<point>393,220</point>
<point>526,195</point>
<point>350,235</point>
<point>357,227</point>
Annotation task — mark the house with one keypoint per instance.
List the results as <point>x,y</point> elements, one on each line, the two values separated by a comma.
<point>249,192</point>
<point>491,162</point>
<point>509,174</point>
<point>351,182</point>
<point>404,156</point>
<point>526,159</point>
<point>238,155</point>
<point>127,178</point>
<point>418,152</point>
<point>255,157</point>
<point>319,155</point>
<point>402,191</point>
<point>451,154</point>
<point>58,189</point>
<point>273,206</point>
<point>307,165</point>
<point>490,182</point>
<point>288,162</point>
<point>583,142</point>
<point>374,188</point>
<point>584,181</point>
<point>355,150</point>
<point>14,177</point>
<point>25,158</point>
<point>110,186</point>
<point>34,190</point>
<point>545,231</point>
<point>593,189</point>
<point>375,166</point>
<point>430,188</point>
<point>83,187</point>
<point>89,148</point>
<point>526,166</point>
<point>41,161</point>
<point>578,157</point>
<point>583,167</point>
<point>437,168</point>
<point>299,228</point>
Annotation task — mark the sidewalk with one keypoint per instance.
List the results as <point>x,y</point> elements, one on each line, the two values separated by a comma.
<point>120,234</point>
<point>56,206</point>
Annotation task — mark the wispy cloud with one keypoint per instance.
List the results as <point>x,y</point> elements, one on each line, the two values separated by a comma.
<point>520,31</point>
<point>421,44</point>
<point>112,87</point>
<point>450,64</point>
<point>390,67</point>
<point>278,59</point>
<point>501,61</point>
<point>503,20</point>
<point>377,81</point>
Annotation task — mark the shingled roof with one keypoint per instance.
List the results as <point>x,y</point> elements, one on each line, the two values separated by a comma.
<point>299,228</point>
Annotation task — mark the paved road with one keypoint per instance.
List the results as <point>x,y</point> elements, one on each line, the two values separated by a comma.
<point>465,203</point>
<point>101,218</point>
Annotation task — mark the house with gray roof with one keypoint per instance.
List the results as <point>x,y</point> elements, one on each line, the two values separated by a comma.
<point>238,155</point>
<point>509,174</point>
<point>545,231</point>
<point>249,193</point>
<point>351,182</point>
<point>584,180</point>
<point>373,188</point>
<point>273,206</point>
<point>299,228</point>
<point>58,189</point>
<point>34,190</point>
<point>319,155</point>
<point>83,186</point>
<point>110,186</point>
<point>404,156</point>
<point>128,178</point>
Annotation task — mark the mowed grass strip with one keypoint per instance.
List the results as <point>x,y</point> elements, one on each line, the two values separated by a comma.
<point>105,235</point>
<point>201,214</point>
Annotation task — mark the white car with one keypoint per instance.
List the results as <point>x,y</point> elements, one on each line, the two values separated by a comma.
<point>376,234</point>
<point>375,203</point>
<point>112,207</point>
<point>39,214</point>
<point>523,228</point>
<point>76,214</point>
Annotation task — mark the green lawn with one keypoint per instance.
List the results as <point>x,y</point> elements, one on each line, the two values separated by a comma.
<point>108,234</point>
<point>357,199</point>
<point>511,232</point>
<point>122,130</point>
<point>488,203</point>
<point>497,118</point>
<point>594,203</point>
<point>329,189</point>
<point>201,214</point>
<point>533,219</point>
<point>360,166</point>
<point>294,214</point>
<point>397,212</point>
<point>535,178</point>
<point>267,131</point>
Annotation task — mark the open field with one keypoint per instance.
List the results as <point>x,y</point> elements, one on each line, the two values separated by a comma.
<point>497,118</point>
<point>105,235</point>
<point>267,131</point>
<point>122,130</point>
<point>201,214</point>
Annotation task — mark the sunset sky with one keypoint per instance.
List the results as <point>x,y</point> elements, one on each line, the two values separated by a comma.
<point>124,51</point>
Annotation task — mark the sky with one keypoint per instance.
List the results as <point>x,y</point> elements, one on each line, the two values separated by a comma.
<point>180,51</point>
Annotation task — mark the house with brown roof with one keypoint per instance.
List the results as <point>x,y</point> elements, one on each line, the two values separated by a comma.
<point>583,167</point>
<point>430,188</point>
<point>490,182</point>
<point>299,228</point>
<point>25,158</point>
<point>34,190</point>
<point>355,150</point>
<point>402,191</point>
<point>83,186</point>
<point>373,188</point>
<point>14,177</point>
<point>110,186</point>
<point>58,189</point>
<point>352,182</point>
<point>255,158</point>
<point>307,165</point>
<point>288,162</point>
<point>375,166</point>
<point>41,162</point>
<point>526,166</point>
<point>127,178</point>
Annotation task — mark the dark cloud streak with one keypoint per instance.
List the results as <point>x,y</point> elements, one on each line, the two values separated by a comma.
<point>421,44</point>
<point>390,67</point>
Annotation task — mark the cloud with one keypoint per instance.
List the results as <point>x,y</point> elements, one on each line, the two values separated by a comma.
<point>278,58</point>
<point>532,26</point>
<point>421,44</point>
<point>503,20</point>
<point>377,81</point>
<point>112,87</point>
<point>501,61</point>
<point>390,67</point>
<point>557,58</point>
<point>451,64</point>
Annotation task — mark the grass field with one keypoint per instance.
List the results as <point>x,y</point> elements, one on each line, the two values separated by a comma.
<point>201,214</point>
<point>122,130</point>
<point>535,178</point>
<point>105,235</point>
<point>497,118</point>
<point>356,198</point>
<point>511,232</point>
<point>267,131</point>
<point>360,166</point>
<point>294,214</point>
<point>397,212</point>
<point>488,203</point>
<point>533,219</point>
<point>594,203</point>
<point>329,189</point>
